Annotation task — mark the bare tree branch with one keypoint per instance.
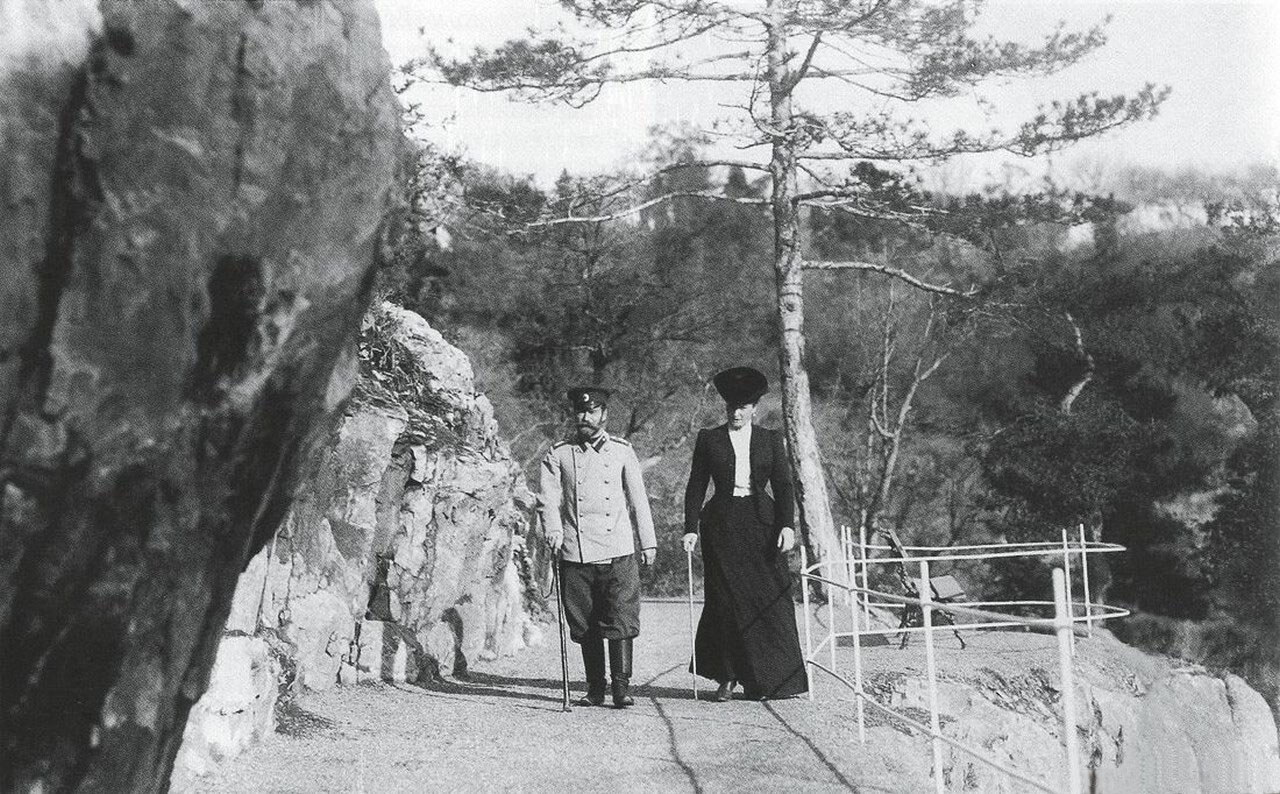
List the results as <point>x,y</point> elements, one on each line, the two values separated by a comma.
<point>1052,128</point>
<point>803,69</point>
<point>631,184</point>
<point>746,164</point>
<point>897,273</point>
<point>644,205</point>
<point>852,192</point>
<point>690,33</point>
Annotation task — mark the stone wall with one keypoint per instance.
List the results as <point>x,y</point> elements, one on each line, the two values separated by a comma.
<point>192,199</point>
<point>401,559</point>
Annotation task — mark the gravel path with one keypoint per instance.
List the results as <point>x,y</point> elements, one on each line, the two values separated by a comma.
<point>502,729</point>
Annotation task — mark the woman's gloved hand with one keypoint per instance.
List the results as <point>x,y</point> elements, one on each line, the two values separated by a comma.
<point>786,539</point>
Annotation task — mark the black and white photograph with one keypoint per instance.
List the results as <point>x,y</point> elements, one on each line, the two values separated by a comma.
<point>640,396</point>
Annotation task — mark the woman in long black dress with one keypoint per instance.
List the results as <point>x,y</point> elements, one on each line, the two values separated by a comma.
<point>747,633</point>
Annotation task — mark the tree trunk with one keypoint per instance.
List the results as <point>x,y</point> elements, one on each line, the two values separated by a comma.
<point>1086,367</point>
<point>194,194</point>
<point>802,442</point>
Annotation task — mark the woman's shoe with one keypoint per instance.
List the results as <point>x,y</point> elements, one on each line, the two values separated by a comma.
<point>724,693</point>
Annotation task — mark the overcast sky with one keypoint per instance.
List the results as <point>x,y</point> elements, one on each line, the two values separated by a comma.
<point>1222,60</point>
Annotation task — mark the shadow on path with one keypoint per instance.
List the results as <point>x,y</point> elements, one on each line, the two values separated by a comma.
<point>671,727</point>
<point>832,768</point>
<point>503,686</point>
<point>480,685</point>
<point>675,747</point>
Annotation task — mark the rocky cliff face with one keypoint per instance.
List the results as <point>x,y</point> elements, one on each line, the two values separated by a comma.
<point>191,196</point>
<point>401,559</point>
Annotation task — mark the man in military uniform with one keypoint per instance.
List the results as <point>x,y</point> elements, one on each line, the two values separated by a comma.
<point>591,486</point>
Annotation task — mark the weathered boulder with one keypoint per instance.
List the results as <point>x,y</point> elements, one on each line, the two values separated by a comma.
<point>237,710</point>
<point>409,517</point>
<point>326,547</point>
<point>401,558</point>
<point>1144,727</point>
<point>1189,732</point>
<point>191,203</point>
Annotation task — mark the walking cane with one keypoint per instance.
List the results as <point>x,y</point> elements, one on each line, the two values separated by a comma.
<point>693,637</point>
<point>564,652</point>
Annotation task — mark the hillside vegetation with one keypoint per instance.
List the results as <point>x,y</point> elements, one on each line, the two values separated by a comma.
<point>1118,373</point>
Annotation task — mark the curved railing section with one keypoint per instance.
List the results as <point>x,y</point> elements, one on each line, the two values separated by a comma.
<point>1071,618</point>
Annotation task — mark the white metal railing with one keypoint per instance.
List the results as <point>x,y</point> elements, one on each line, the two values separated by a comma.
<point>1064,624</point>
<point>857,566</point>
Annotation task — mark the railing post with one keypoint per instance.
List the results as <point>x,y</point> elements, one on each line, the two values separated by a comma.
<point>846,550</point>
<point>866,587</point>
<point>804,597</point>
<point>1084,571</point>
<point>831,621</point>
<point>857,673</point>
<point>1063,624</point>
<point>853,602</point>
<point>926,595</point>
<point>1066,567</point>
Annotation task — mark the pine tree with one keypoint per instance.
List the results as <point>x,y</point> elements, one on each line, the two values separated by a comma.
<point>896,56</point>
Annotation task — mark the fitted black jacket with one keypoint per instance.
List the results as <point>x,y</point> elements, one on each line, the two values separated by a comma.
<point>713,460</point>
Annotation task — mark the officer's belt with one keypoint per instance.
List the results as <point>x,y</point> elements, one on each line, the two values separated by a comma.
<point>609,561</point>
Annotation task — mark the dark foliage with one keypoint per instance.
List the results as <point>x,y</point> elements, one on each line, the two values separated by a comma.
<point>1109,384</point>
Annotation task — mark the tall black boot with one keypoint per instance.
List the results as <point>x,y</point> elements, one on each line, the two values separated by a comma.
<point>593,662</point>
<point>620,667</point>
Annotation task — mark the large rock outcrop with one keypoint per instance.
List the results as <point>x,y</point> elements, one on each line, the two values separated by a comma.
<point>191,199</point>
<point>1144,725</point>
<point>402,557</point>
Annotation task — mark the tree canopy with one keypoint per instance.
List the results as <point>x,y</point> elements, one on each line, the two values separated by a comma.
<point>894,56</point>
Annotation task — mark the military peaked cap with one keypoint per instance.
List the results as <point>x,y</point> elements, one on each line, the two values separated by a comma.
<point>740,385</point>
<point>588,397</point>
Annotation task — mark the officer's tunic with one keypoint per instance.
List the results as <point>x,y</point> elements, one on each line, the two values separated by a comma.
<point>592,493</point>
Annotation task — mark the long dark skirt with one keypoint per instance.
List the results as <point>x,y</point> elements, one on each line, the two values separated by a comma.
<point>747,631</point>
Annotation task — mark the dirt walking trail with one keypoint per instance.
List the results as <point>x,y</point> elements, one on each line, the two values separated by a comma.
<point>503,729</point>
